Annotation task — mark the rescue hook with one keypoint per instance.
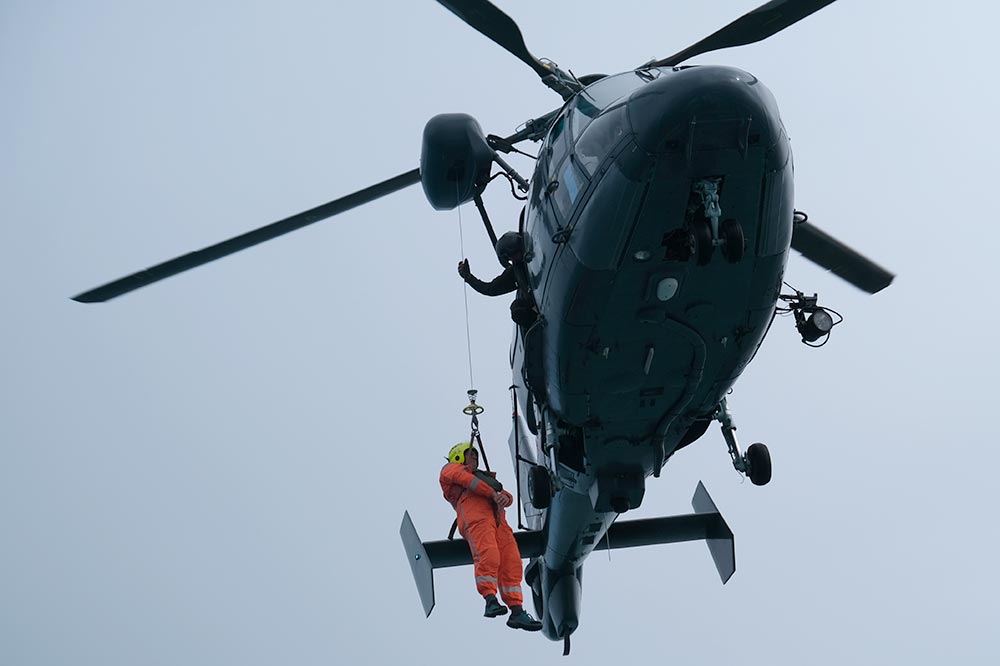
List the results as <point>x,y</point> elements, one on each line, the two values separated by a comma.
<point>473,409</point>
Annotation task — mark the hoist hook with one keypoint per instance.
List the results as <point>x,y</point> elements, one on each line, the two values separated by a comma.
<point>474,411</point>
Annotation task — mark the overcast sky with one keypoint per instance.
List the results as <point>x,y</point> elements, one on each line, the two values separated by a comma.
<point>213,470</point>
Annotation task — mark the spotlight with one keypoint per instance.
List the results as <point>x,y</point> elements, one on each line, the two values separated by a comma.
<point>812,321</point>
<point>815,327</point>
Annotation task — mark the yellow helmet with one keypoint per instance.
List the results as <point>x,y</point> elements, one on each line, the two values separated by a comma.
<point>457,453</point>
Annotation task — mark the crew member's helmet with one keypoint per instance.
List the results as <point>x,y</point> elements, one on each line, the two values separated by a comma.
<point>510,248</point>
<point>457,453</point>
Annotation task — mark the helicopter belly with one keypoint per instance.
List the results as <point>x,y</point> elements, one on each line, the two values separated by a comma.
<point>638,330</point>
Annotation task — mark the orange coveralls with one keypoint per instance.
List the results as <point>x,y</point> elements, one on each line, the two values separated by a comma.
<point>484,526</point>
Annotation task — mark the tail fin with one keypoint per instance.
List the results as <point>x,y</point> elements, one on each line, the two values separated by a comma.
<point>719,536</point>
<point>420,564</point>
<point>706,523</point>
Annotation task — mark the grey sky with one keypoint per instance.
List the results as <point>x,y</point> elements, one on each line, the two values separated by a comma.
<point>213,470</point>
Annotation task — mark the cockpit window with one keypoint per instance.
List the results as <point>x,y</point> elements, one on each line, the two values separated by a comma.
<point>600,95</point>
<point>558,144</point>
<point>557,128</point>
<point>600,137</point>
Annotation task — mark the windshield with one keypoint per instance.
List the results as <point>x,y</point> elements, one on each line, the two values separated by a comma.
<point>599,96</point>
<point>600,137</point>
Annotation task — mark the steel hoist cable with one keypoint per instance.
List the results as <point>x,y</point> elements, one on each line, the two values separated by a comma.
<point>465,297</point>
<point>472,409</point>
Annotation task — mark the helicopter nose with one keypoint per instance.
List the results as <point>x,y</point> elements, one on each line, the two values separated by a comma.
<point>699,108</point>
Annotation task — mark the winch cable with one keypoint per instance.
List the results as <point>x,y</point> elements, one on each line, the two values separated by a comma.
<point>465,296</point>
<point>473,410</point>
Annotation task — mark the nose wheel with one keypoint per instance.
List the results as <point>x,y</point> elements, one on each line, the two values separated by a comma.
<point>702,241</point>
<point>756,462</point>
<point>710,233</point>
<point>733,242</point>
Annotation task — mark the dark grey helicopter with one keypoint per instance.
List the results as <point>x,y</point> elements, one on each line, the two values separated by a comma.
<point>658,223</point>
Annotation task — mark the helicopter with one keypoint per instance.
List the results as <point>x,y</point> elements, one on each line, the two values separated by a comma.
<point>656,230</point>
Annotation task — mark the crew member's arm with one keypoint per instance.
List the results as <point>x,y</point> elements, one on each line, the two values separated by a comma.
<point>456,474</point>
<point>504,283</point>
<point>503,499</point>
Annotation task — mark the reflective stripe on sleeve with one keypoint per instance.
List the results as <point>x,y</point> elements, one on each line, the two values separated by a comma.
<point>475,482</point>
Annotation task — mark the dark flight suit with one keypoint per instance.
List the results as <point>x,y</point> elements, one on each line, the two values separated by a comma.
<point>521,310</point>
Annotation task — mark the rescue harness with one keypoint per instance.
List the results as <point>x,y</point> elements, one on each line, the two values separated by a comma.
<point>474,410</point>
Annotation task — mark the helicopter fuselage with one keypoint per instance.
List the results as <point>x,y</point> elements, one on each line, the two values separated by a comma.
<point>656,232</point>
<point>648,311</point>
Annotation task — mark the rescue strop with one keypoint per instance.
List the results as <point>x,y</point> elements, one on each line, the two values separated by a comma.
<point>473,410</point>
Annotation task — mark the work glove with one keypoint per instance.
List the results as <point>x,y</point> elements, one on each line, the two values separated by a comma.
<point>464,270</point>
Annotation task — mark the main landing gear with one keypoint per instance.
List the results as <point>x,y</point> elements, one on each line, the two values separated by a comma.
<point>756,462</point>
<point>539,487</point>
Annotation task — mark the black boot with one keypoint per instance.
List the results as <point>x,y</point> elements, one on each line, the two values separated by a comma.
<point>521,619</point>
<point>493,607</point>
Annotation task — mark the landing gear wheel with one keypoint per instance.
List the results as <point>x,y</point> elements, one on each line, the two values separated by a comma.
<point>733,242</point>
<point>539,487</point>
<point>703,246</point>
<point>759,464</point>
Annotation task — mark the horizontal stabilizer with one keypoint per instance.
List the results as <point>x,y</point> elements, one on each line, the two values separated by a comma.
<point>705,524</point>
<point>443,554</point>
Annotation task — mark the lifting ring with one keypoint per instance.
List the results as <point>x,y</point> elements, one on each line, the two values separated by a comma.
<point>473,409</point>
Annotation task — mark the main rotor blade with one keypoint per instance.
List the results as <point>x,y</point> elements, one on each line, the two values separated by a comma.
<point>197,258</point>
<point>761,23</point>
<point>819,247</point>
<point>489,20</point>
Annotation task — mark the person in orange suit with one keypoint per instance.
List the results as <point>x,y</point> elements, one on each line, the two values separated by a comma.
<point>479,500</point>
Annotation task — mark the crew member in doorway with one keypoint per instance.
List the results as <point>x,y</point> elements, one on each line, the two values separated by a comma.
<point>510,250</point>
<point>479,500</point>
